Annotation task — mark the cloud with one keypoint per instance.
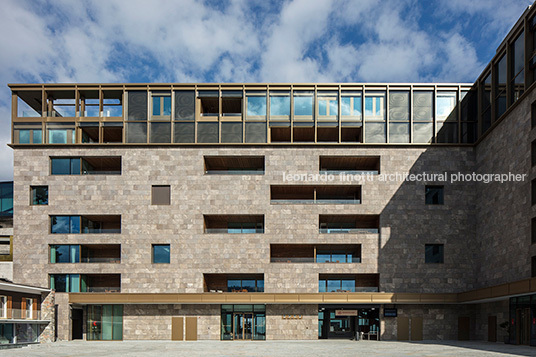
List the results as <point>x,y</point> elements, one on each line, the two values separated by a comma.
<point>243,41</point>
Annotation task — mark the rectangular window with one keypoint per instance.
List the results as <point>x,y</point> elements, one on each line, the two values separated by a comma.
<point>433,253</point>
<point>64,224</point>
<point>161,253</point>
<point>161,106</point>
<point>29,308</point>
<point>303,105</point>
<point>533,267</point>
<point>533,192</point>
<point>351,106</point>
<point>328,106</point>
<point>517,84</point>
<point>161,195</point>
<point>256,106</point>
<point>61,133</point>
<point>500,87</point>
<point>245,285</point>
<point>39,195</point>
<point>533,230</point>
<point>279,106</point>
<point>64,166</point>
<point>90,165</point>
<point>65,283</point>
<point>64,254</point>
<point>533,153</point>
<point>87,224</point>
<point>533,113</point>
<point>434,195</point>
<point>3,307</point>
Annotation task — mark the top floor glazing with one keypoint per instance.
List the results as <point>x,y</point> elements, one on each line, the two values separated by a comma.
<point>242,114</point>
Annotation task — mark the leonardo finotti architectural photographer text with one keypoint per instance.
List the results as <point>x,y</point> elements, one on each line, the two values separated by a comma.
<point>400,177</point>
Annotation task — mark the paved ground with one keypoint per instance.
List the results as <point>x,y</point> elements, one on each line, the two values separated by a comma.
<point>271,348</point>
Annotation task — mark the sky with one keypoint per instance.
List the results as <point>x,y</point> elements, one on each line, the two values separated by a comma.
<point>246,41</point>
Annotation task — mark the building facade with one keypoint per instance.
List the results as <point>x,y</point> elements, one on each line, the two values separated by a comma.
<point>26,314</point>
<point>283,211</point>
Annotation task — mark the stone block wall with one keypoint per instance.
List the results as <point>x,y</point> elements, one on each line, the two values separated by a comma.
<point>278,327</point>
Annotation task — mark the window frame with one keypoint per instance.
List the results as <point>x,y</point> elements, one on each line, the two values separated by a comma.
<point>441,199</point>
<point>153,246</point>
<point>32,200</point>
<point>441,253</point>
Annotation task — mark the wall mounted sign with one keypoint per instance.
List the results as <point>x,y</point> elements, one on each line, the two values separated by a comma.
<point>345,312</point>
<point>390,312</point>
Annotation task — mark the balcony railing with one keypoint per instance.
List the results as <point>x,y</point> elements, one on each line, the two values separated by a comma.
<point>349,230</point>
<point>348,172</point>
<point>333,201</point>
<point>18,314</point>
<point>292,260</point>
<point>105,172</point>
<point>101,289</point>
<point>234,172</point>
<point>100,260</point>
<point>87,230</point>
<point>234,230</point>
<point>357,289</point>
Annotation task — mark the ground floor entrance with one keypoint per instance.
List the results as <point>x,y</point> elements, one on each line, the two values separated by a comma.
<point>345,321</point>
<point>243,322</point>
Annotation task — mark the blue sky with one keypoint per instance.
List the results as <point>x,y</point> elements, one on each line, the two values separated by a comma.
<point>245,41</point>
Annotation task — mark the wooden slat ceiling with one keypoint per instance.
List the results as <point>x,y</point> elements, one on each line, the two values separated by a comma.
<point>104,163</point>
<point>234,162</point>
<point>357,163</point>
<point>215,221</point>
<point>361,220</point>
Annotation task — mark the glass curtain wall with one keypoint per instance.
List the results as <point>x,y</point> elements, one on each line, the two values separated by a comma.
<point>105,322</point>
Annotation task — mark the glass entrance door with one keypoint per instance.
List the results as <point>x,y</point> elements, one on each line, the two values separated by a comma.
<point>243,326</point>
<point>523,326</point>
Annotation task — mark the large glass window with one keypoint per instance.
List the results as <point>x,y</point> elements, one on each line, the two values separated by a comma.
<point>279,105</point>
<point>328,105</point>
<point>399,116</point>
<point>446,117</point>
<point>64,224</point>
<point>161,253</point>
<point>6,334</point>
<point>423,116</point>
<point>256,106</point>
<point>375,127</point>
<point>336,285</point>
<point>485,95</point>
<point>65,166</point>
<point>500,87</point>
<point>351,106</point>
<point>518,67</point>
<point>39,195</point>
<point>105,322</point>
<point>61,133</point>
<point>303,105</point>
<point>245,285</point>
<point>6,199</point>
<point>66,283</point>
<point>65,254</point>
<point>161,106</point>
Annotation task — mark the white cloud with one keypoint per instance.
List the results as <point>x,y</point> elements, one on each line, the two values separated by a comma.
<point>190,41</point>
